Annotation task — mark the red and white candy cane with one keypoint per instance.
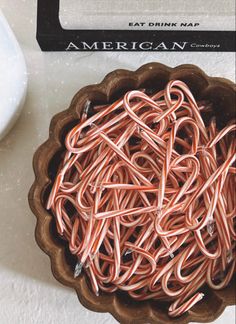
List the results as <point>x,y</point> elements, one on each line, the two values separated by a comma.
<point>144,196</point>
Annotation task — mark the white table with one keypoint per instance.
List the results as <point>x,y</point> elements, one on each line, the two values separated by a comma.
<point>28,292</point>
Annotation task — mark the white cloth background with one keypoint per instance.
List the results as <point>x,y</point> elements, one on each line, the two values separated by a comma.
<point>28,292</point>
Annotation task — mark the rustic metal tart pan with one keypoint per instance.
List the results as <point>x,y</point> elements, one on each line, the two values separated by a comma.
<point>153,76</point>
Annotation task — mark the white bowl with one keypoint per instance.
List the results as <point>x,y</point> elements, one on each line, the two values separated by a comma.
<point>13,78</point>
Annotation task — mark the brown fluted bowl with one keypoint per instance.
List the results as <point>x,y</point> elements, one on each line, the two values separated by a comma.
<point>153,76</point>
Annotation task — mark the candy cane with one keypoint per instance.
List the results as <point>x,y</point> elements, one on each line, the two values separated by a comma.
<point>144,196</point>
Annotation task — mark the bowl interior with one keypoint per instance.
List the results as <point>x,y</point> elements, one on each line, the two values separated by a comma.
<point>218,95</point>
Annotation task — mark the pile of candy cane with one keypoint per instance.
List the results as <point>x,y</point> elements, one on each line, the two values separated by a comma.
<point>145,197</point>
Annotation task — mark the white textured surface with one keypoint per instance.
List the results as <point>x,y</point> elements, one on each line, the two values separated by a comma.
<point>28,292</point>
<point>208,14</point>
<point>211,7</point>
